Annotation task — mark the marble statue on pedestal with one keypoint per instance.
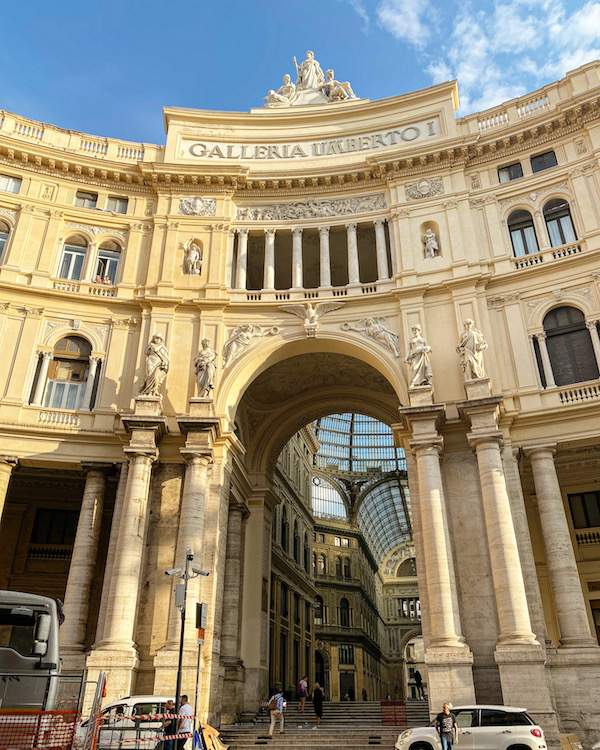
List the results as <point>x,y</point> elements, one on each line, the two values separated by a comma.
<point>310,74</point>
<point>417,357</point>
<point>310,313</point>
<point>284,95</point>
<point>192,259</point>
<point>205,367</point>
<point>432,248</point>
<point>470,348</point>
<point>157,366</point>
<point>337,91</point>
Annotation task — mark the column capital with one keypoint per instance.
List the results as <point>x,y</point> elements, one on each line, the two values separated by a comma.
<point>532,450</point>
<point>297,231</point>
<point>432,446</point>
<point>351,226</point>
<point>379,222</point>
<point>540,336</point>
<point>324,230</point>
<point>99,466</point>
<point>270,231</point>
<point>589,324</point>
<point>135,455</point>
<point>243,231</point>
<point>11,461</point>
<point>47,354</point>
<point>239,507</point>
<point>495,439</point>
<point>191,455</point>
<point>95,359</point>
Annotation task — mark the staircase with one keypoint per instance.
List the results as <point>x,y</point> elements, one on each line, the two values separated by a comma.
<point>348,725</point>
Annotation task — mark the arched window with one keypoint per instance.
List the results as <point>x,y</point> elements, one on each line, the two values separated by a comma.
<point>285,529</point>
<point>314,563</point>
<point>107,266</point>
<point>68,373</point>
<point>559,222</point>
<point>284,605</point>
<point>296,543</point>
<point>73,258</point>
<point>522,233</point>
<point>407,568</point>
<point>319,610</point>
<point>4,234</point>
<point>344,613</point>
<point>321,565</point>
<point>338,566</point>
<point>306,554</point>
<point>569,346</point>
<point>347,569</point>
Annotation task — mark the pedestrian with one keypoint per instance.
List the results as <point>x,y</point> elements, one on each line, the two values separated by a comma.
<point>351,693</point>
<point>317,699</point>
<point>419,684</point>
<point>446,727</point>
<point>185,722</point>
<point>276,708</point>
<point>169,726</point>
<point>303,692</point>
<point>364,694</point>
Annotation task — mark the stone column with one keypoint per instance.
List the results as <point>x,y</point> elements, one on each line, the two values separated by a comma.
<point>592,326</point>
<point>562,567</point>
<point>242,259</point>
<point>324,260</point>
<point>40,384</point>
<point>229,258</point>
<point>549,375</point>
<point>381,250</point>
<point>297,272</point>
<point>269,269</point>
<point>353,268</point>
<point>82,568</point>
<point>7,464</point>
<point>233,681</point>
<point>117,653</point>
<point>89,386</point>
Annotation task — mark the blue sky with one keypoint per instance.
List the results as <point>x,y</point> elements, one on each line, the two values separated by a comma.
<point>107,68</point>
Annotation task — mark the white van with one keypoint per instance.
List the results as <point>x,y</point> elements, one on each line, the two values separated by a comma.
<point>115,729</point>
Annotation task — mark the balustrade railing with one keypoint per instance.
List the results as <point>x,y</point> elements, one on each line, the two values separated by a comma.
<point>550,254</point>
<point>575,394</point>
<point>62,418</point>
<point>588,537</point>
<point>50,552</point>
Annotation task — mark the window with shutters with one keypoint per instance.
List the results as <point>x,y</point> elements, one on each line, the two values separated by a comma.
<point>570,346</point>
<point>522,233</point>
<point>557,215</point>
<point>585,509</point>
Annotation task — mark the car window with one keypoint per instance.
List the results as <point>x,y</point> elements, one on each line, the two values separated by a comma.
<point>492,718</point>
<point>521,719</point>
<point>141,709</point>
<point>466,718</point>
<point>114,713</point>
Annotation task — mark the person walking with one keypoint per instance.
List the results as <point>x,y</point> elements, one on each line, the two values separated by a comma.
<point>419,686</point>
<point>303,692</point>
<point>446,727</point>
<point>169,726</point>
<point>185,722</point>
<point>317,699</point>
<point>276,708</point>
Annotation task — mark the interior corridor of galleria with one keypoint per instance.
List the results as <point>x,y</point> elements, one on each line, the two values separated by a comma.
<point>204,348</point>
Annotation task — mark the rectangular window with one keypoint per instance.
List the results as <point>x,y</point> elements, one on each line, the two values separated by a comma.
<point>321,538</point>
<point>585,509</point>
<point>338,541</point>
<point>543,161</point>
<point>108,265</point>
<point>345,542</point>
<point>346,654</point>
<point>10,184</point>
<point>296,609</point>
<point>512,172</point>
<point>85,200</point>
<point>61,394</point>
<point>71,266</point>
<point>54,526</point>
<point>307,616</point>
<point>117,205</point>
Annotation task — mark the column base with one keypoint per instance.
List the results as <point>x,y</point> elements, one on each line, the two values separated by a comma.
<point>165,672</point>
<point>121,667</point>
<point>580,642</point>
<point>233,690</point>
<point>256,688</point>
<point>449,677</point>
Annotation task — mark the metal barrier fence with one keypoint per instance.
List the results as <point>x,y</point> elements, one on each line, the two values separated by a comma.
<point>37,730</point>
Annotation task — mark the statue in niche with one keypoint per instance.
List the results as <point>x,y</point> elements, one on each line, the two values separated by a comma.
<point>378,329</point>
<point>432,247</point>
<point>157,366</point>
<point>311,313</point>
<point>284,95</point>
<point>417,357</point>
<point>310,74</point>
<point>337,91</point>
<point>238,340</point>
<point>205,367</point>
<point>192,259</point>
<point>470,348</point>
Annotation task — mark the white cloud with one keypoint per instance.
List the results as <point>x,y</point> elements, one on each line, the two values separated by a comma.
<point>408,20</point>
<point>359,8</point>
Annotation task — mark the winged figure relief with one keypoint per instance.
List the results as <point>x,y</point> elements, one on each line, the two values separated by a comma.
<point>310,313</point>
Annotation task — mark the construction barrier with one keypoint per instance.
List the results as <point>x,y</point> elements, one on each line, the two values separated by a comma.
<point>393,713</point>
<point>37,730</point>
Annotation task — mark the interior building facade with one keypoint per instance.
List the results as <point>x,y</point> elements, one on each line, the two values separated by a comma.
<point>310,247</point>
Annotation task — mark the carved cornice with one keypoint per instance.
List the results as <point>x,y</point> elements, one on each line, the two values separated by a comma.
<point>96,230</point>
<point>500,300</point>
<point>312,209</point>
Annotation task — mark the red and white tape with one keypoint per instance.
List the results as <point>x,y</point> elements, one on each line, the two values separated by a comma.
<point>154,738</point>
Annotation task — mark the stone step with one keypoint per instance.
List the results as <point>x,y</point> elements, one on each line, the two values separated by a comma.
<point>311,739</point>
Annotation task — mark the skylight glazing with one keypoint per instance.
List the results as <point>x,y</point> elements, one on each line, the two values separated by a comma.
<point>326,500</point>
<point>384,516</point>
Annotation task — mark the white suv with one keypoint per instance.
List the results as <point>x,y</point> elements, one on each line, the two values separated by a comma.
<point>481,728</point>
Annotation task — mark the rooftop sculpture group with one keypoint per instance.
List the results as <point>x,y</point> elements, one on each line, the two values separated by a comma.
<point>310,79</point>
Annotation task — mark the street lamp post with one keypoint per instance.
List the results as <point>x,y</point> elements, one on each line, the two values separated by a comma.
<point>180,602</point>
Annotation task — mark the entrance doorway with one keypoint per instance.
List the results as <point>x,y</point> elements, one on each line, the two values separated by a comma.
<point>347,687</point>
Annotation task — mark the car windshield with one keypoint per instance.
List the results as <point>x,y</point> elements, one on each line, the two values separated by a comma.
<point>17,629</point>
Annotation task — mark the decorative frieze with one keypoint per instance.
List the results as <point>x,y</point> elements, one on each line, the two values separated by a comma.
<point>533,197</point>
<point>501,300</point>
<point>197,206</point>
<point>9,212</point>
<point>96,230</point>
<point>312,208</point>
<point>425,188</point>
<point>240,339</point>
